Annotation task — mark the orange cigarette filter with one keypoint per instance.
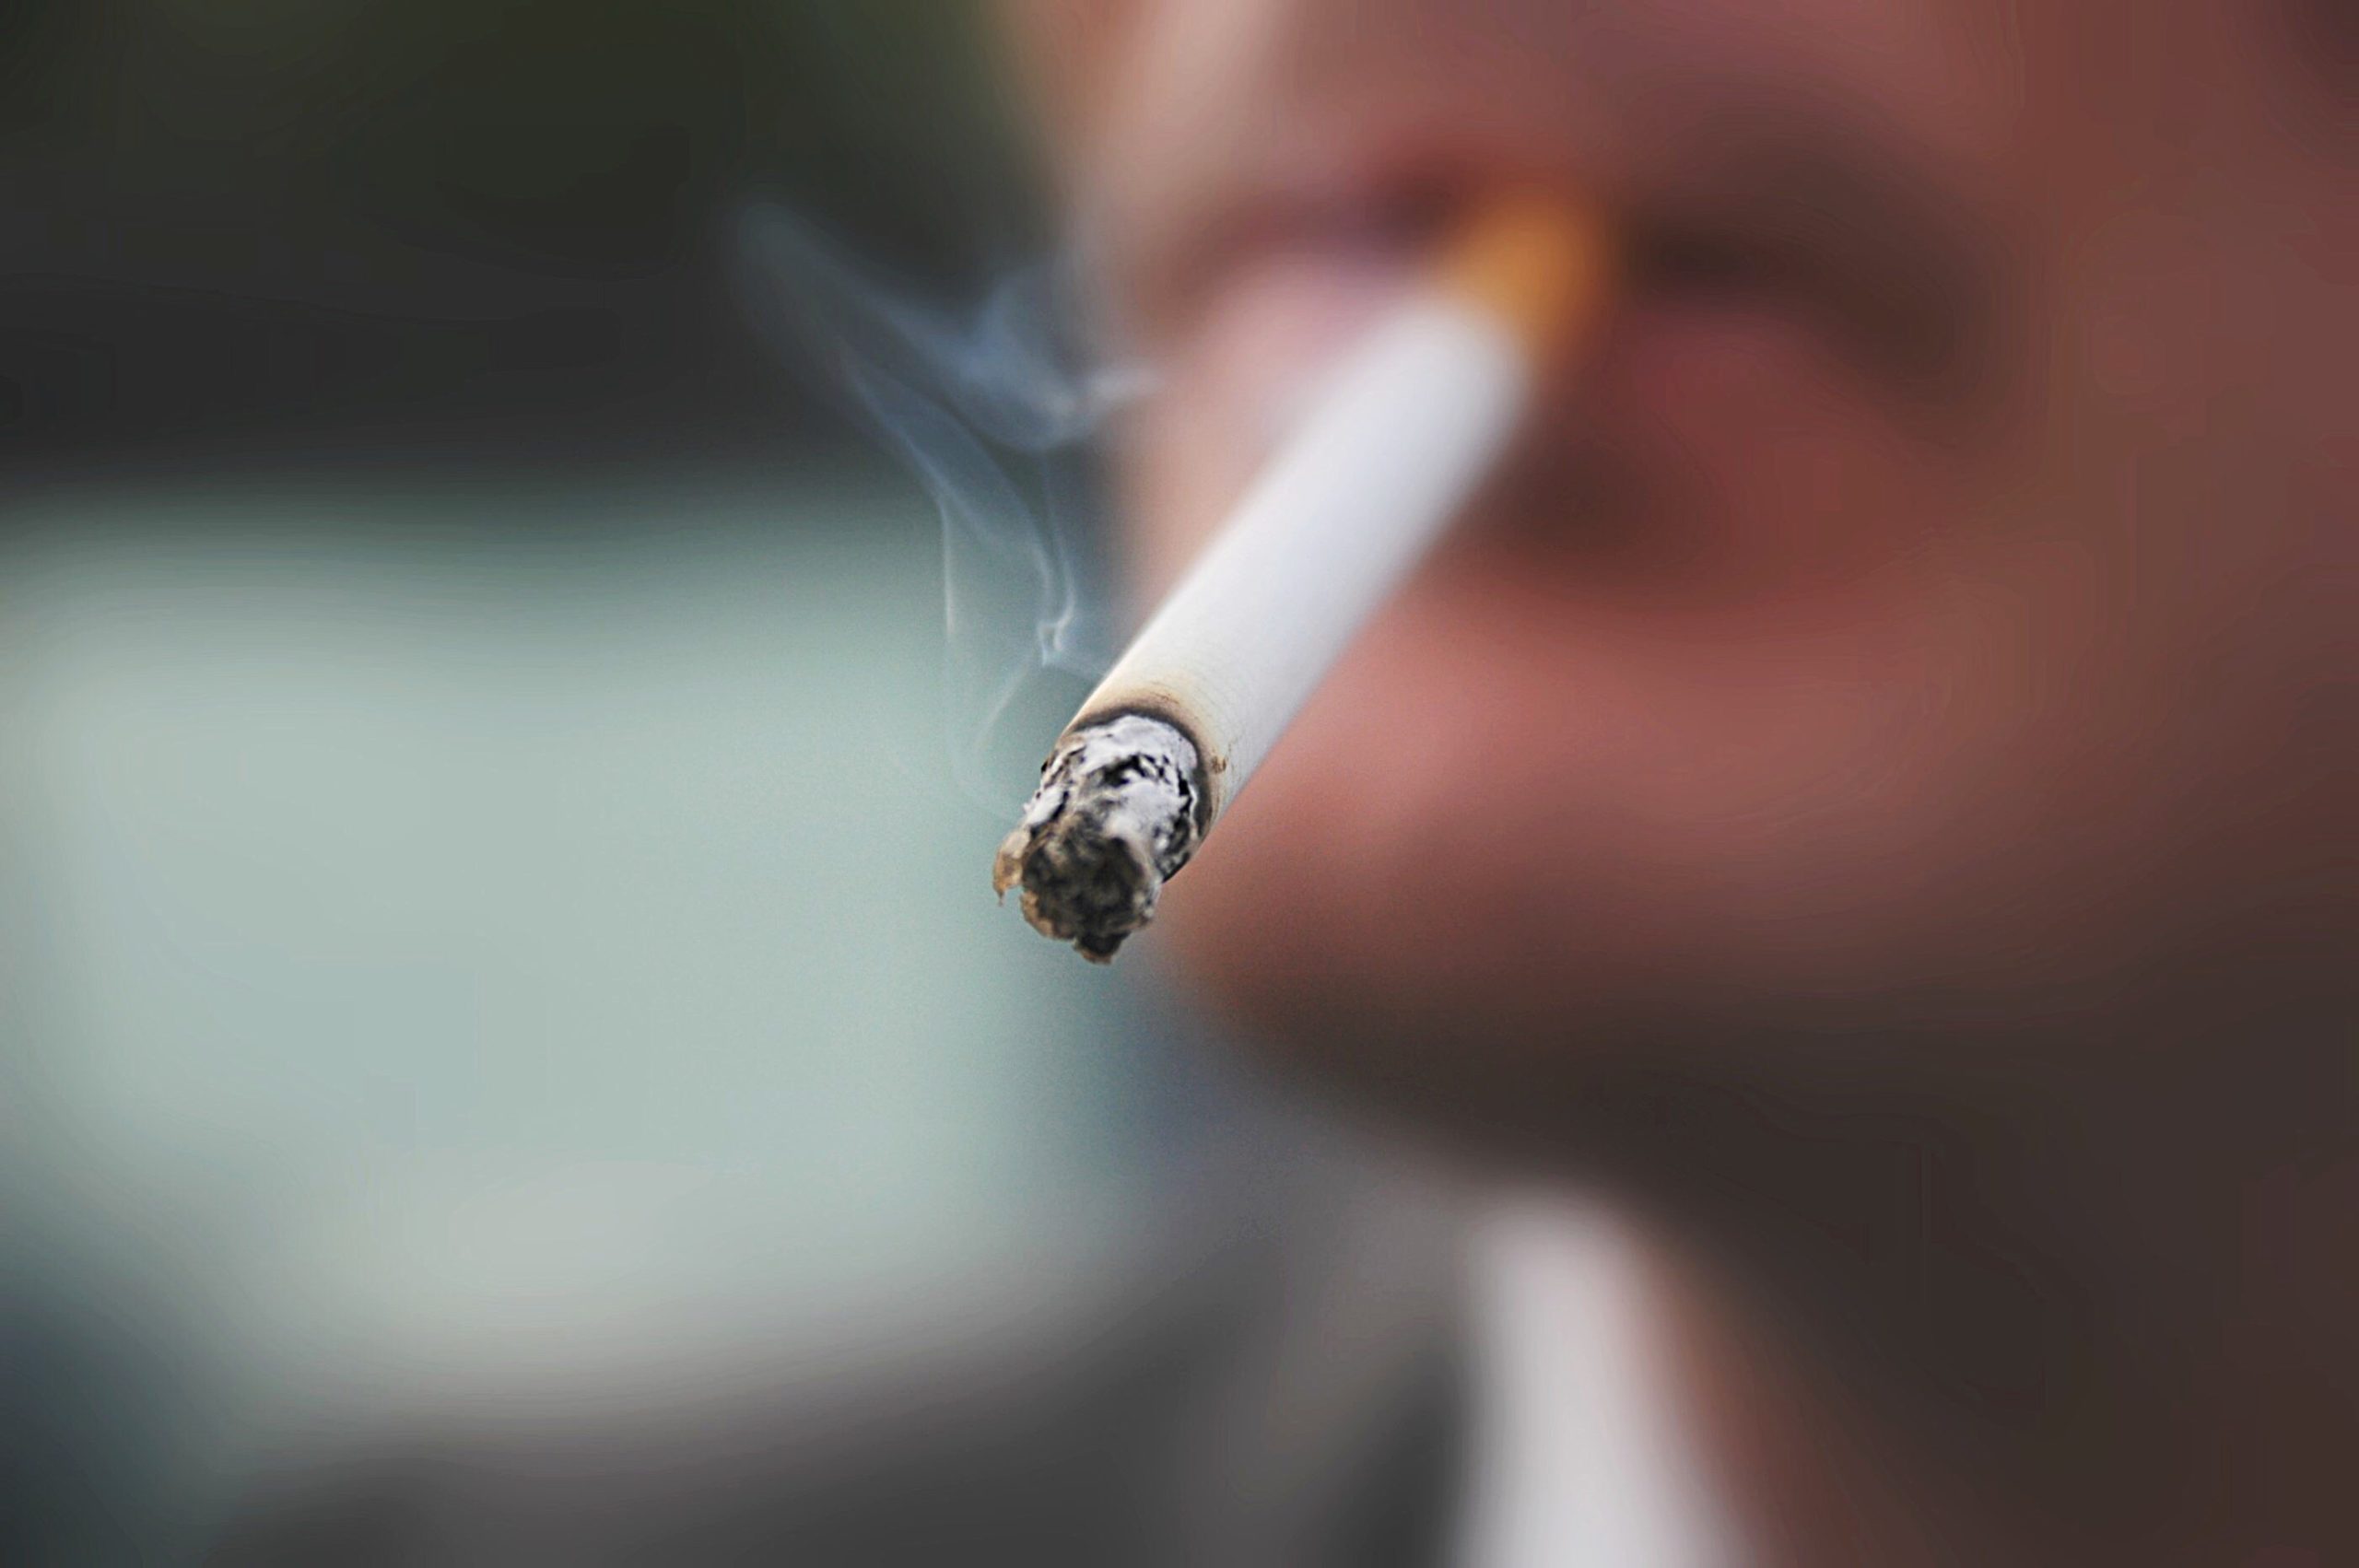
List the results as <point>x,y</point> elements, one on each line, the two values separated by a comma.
<point>1540,262</point>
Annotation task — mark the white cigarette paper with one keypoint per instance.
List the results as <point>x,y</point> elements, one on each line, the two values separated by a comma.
<point>1406,427</point>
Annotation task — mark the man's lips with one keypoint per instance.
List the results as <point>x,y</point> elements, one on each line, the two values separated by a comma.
<point>1752,369</point>
<point>1283,318</point>
<point>1816,224</point>
<point>1886,274</point>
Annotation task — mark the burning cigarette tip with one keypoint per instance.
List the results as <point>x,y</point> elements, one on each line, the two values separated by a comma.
<point>1120,807</point>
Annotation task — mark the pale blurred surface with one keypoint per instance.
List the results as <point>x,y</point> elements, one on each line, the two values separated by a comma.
<point>487,919</point>
<point>476,928</point>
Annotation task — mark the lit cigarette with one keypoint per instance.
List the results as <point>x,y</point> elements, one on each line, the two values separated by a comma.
<point>1408,426</point>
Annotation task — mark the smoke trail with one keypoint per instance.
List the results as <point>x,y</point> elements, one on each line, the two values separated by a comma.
<point>994,408</point>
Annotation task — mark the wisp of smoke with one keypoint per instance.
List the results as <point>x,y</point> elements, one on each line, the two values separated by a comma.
<point>994,408</point>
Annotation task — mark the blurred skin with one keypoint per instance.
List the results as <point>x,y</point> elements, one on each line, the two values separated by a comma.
<point>1872,782</point>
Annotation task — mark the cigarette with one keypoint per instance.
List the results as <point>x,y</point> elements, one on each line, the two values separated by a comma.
<point>1405,429</point>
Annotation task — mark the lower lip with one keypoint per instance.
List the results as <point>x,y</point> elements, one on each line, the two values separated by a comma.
<point>1664,361</point>
<point>1724,420</point>
<point>1283,322</point>
<point>1701,366</point>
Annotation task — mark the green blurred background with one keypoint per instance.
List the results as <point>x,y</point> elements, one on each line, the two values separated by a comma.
<point>479,890</point>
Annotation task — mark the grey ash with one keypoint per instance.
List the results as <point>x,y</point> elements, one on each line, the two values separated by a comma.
<point>1122,803</point>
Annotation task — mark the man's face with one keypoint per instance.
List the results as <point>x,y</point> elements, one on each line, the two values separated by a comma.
<point>1924,612</point>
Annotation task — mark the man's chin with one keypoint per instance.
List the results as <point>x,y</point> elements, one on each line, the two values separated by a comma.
<point>1471,974</point>
<point>1330,934</point>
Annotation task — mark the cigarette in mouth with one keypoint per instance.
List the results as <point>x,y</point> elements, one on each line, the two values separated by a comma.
<point>1406,427</point>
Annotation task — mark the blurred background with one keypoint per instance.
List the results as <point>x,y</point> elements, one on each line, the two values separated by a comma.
<point>471,909</point>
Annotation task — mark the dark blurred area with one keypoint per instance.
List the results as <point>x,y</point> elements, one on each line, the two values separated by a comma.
<point>443,968</point>
<point>442,227</point>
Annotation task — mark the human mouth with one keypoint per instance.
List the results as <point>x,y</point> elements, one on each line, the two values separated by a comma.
<point>1856,257</point>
